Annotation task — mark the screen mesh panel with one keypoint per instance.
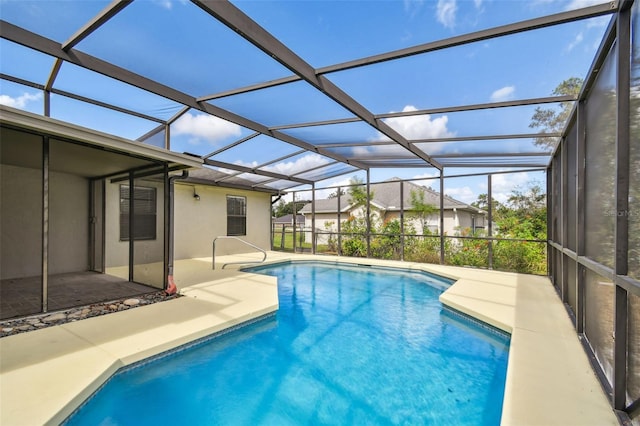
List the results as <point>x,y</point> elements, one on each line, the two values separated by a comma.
<point>600,208</point>
<point>634,166</point>
<point>572,285</point>
<point>599,315</point>
<point>570,197</point>
<point>633,360</point>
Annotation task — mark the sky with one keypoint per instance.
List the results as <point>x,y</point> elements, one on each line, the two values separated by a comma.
<point>177,44</point>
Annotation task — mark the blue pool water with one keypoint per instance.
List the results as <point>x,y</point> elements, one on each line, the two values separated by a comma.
<point>348,346</point>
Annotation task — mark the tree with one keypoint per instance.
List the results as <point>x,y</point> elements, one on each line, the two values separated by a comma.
<point>483,203</point>
<point>338,192</point>
<point>283,209</point>
<point>358,195</point>
<point>355,228</point>
<point>551,120</point>
<point>522,216</point>
<point>525,214</point>
<point>358,191</point>
<point>421,209</point>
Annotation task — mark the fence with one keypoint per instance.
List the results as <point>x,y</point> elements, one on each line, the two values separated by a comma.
<point>512,255</point>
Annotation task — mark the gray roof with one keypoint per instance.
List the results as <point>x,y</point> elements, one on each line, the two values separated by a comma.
<point>386,196</point>
<point>288,218</point>
<point>208,176</point>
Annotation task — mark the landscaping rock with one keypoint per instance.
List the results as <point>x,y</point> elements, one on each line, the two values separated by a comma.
<point>38,321</point>
<point>75,315</point>
<point>54,318</point>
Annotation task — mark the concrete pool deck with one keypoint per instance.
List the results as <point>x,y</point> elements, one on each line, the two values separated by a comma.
<point>46,374</point>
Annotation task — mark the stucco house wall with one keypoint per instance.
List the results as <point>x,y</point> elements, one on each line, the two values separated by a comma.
<point>327,221</point>
<point>198,222</point>
<point>454,221</point>
<point>433,221</point>
<point>21,223</point>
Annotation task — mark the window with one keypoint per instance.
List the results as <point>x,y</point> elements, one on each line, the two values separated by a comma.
<point>144,213</point>
<point>236,215</point>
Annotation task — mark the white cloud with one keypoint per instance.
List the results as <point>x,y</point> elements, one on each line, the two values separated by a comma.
<point>307,162</point>
<point>464,194</point>
<point>165,4</point>
<point>321,193</point>
<point>477,3</point>
<point>504,94</point>
<point>419,126</point>
<point>411,127</point>
<point>427,175</point>
<point>576,41</point>
<point>343,183</point>
<point>446,12</point>
<point>503,184</point>
<point>211,129</point>
<point>412,7</point>
<point>285,168</point>
<point>251,165</point>
<point>579,4</point>
<point>392,150</point>
<point>247,176</point>
<point>287,198</point>
<point>432,183</point>
<point>21,101</point>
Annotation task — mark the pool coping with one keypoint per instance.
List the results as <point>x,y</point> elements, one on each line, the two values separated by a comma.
<point>67,363</point>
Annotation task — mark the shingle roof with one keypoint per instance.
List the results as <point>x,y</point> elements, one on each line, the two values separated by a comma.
<point>208,176</point>
<point>288,218</point>
<point>386,196</point>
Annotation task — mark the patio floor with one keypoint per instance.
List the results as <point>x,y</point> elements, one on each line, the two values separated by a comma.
<point>19,297</point>
<point>549,379</point>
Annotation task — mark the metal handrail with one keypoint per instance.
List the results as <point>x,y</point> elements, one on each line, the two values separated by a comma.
<point>240,262</point>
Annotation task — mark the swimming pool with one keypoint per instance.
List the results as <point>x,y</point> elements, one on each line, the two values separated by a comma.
<point>349,345</point>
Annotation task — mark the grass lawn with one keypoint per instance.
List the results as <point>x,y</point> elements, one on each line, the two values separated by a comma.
<point>288,241</point>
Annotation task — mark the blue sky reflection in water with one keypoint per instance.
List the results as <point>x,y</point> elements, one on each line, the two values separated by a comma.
<point>348,346</point>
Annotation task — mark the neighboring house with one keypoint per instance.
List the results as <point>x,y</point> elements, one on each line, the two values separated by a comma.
<point>287,220</point>
<point>386,205</point>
